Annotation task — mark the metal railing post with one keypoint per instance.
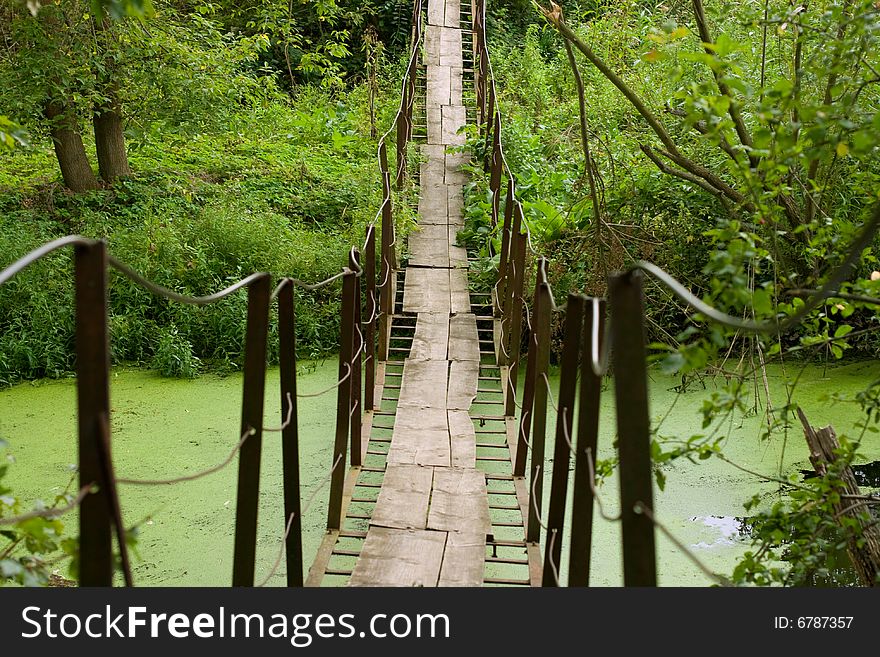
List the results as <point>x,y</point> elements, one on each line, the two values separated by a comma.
<point>580,548</point>
<point>343,399</point>
<point>93,413</point>
<point>541,326</point>
<point>370,326</point>
<point>253,396</point>
<point>515,300</point>
<point>633,428</point>
<point>503,261</point>
<point>568,375</point>
<point>354,262</point>
<point>290,434</point>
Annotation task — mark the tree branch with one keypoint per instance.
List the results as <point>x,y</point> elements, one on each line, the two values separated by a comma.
<point>742,132</point>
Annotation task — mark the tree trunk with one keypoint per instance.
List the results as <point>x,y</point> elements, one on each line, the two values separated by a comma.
<point>72,159</point>
<point>109,138</point>
<point>863,545</point>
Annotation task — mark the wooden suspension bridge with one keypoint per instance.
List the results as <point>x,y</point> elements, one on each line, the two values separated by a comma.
<point>437,472</point>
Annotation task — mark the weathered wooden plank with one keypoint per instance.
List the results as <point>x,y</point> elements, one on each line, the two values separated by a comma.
<point>419,447</point>
<point>455,205</point>
<point>403,499</point>
<point>459,295</point>
<point>432,46</point>
<point>436,12</point>
<point>433,207</point>
<point>462,387</point>
<point>425,253</point>
<point>453,13</point>
<point>429,246</point>
<point>431,337</point>
<point>459,502</point>
<point>462,439</point>
<point>453,173</point>
<point>464,560</point>
<point>409,418</point>
<point>399,557</point>
<point>424,384</point>
<point>420,437</point>
<point>456,79</point>
<point>463,341</point>
<point>450,47</point>
<point>426,291</point>
<point>434,117</point>
<point>452,119</point>
<point>432,174</point>
<point>439,85</point>
<point>457,254</point>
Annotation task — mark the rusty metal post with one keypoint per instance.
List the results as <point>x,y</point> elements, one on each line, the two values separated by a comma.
<point>564,438</point>
<point>503,264</point>
<point>401,139</point>
<point>489,157</point>
<point>354,263</point>
<point>253,397</point>
<point>495,173</point>
<point>580,548</point>
<point>541,326</point>
<point>633,428</point>
<point>290,434</point>
<point>369,326</point>
<point>386,300</point>
<point>515,300</point>
<point>343,399</point>
<point>93,411</point>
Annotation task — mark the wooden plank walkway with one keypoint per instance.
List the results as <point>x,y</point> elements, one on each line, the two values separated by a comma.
<point>431,519</point>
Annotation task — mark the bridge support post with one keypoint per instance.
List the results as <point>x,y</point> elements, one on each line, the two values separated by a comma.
<point>253,396</point>
<point>540,383</point>
<point>580,548</point>
<point>358,346</point>
<point>633,428</point>
<point>290,434</point>
<point>369,326</point>
<point>515,314</point>
<point>574,316</point>
<point>501,287</point>
<point>343,400</point>
<point>93,413</point>
<point>386,299</point>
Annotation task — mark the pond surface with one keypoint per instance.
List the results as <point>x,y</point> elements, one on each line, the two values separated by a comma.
<point>165,428</point>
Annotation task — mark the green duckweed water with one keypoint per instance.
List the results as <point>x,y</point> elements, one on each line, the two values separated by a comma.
<point>165,428</point>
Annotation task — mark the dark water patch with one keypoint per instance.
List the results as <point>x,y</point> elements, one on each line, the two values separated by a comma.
<point>867,475</point>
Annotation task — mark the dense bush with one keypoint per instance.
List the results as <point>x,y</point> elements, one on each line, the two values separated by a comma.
<point>287,190</point>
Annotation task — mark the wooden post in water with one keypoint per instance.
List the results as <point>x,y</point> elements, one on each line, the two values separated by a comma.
<point>253,397</point>
<point>343,400</point>
<point>541,326</point>
<point>580,549</point>
<point>369,327</point>
<point>93,412</point>
<point>290,434</point>
<point>633,428</point>
<point>354,263</point>
<point>574,316</point>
